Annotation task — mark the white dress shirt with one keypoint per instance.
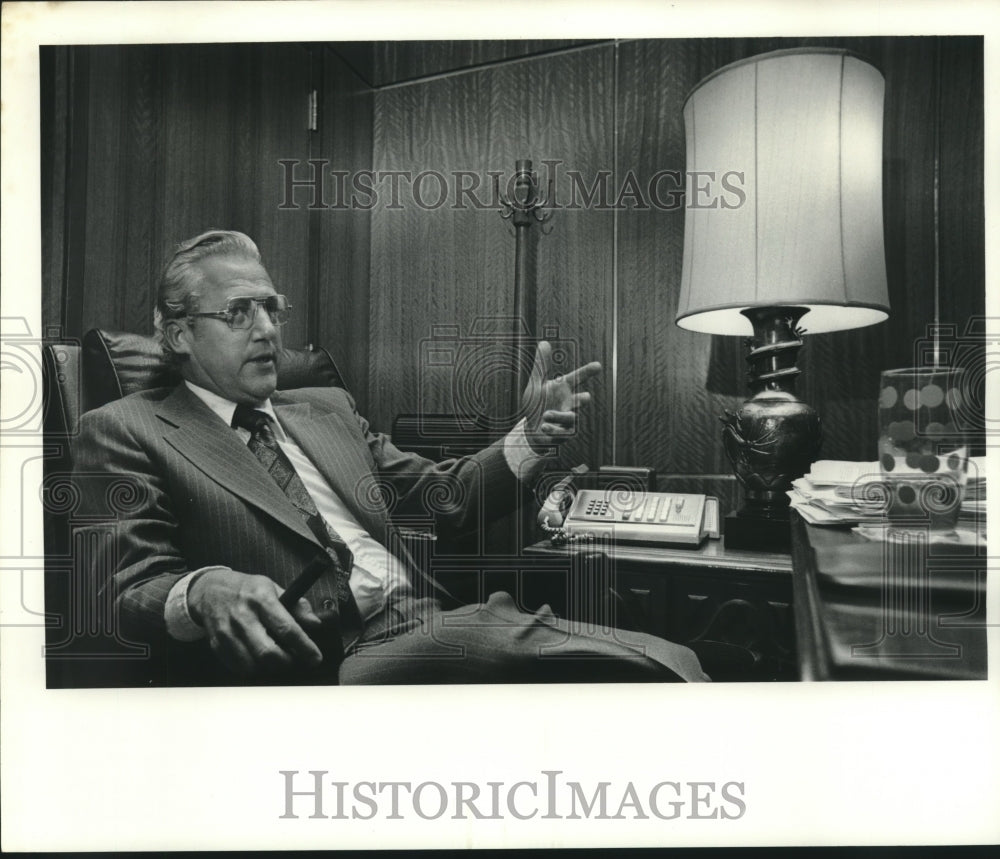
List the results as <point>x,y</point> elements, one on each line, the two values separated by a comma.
<point>377,574</point>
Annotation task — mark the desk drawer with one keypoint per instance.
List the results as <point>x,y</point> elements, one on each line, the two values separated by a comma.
<point>756,615</point>
<point>644,602</point>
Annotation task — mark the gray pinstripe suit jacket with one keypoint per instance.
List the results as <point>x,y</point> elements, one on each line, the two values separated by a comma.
<point>184,492</point>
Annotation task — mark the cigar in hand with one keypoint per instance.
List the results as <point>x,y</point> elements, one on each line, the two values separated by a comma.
<point>305,580</point>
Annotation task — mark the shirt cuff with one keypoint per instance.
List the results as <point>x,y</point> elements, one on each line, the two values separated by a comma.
<point>180,625</point>
<point>521,457</point>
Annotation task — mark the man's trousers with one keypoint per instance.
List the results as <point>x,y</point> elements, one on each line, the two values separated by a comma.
<point>417,642</point>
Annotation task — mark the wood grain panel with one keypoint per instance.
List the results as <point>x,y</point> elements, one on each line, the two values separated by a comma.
<point>962,294</point>
<point>439,267</point>
<point>573,121</point>
<point>962,239</point>
<point>277,128</point>
<point>439,270</point>
<point>55,96</point>
<point>106,216</point>
<point>666,413</point>
<point>120,187</point>
<point>195,86</point>
<point>358,57</point>
<point>342,237</point>
<point>231,113</point>
<point>449,266</point>
<point>143,187</point>
<point>403,61</point>
<point>75,240</point>
<point>178,139</point>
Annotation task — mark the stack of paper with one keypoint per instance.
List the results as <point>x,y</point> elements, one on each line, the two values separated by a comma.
<point>834,493</point>
<point>974,502</point>
<point>837,492</point>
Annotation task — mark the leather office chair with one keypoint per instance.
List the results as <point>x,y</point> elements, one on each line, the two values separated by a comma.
<point>81,646</point>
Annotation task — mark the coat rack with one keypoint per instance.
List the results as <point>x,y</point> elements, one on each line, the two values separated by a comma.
<point>524,208</point>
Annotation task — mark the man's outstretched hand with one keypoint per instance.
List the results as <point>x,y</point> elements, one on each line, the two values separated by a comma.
<point>550,405</point>
<point>249,630</point>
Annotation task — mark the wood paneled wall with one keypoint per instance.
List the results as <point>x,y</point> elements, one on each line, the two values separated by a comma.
<point>448,267</point>
<point>340,239</point>
<point>381,64</point>
<point>610,280</point>
<point>146,145</point>
<point>149,145</point>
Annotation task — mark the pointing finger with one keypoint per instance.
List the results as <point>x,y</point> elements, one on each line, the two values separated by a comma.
<point>543,354</point>
<point>582,374</point>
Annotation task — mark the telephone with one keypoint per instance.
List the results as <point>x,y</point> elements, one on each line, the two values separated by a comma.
<point>629,515</point>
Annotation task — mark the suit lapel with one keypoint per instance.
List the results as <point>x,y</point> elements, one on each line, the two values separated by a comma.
<point>329,444</point>
<point>197,434</point>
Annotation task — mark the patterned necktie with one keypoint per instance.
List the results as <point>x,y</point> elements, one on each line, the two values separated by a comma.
<point>265,447</point>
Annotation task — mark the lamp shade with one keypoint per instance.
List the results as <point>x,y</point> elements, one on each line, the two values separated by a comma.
<point>784,208</point>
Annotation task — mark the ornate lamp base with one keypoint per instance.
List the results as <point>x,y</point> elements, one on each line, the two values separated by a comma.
<point>774,437</point>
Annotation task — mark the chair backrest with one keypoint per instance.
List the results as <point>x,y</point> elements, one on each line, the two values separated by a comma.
<point>109,365</point>
<point>61,382</point>
<point>116,364</point>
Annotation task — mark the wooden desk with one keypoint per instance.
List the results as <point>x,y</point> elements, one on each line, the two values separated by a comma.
<point>887,611</point>
<point>733,607</point>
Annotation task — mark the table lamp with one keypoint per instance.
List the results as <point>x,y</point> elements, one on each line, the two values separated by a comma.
<point>782,235</point>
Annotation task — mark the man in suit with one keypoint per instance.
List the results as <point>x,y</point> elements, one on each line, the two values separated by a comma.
<point>228,489</point>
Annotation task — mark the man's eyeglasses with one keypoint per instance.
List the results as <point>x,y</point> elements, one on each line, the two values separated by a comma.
<point>241,312</point>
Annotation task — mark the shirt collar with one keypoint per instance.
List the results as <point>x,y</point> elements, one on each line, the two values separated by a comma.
<point>225,408</point>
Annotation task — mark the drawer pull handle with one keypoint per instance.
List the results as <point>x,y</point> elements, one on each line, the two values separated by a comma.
<point>640,592</point>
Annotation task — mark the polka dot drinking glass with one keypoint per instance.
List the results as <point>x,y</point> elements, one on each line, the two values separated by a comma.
<point>922,452</point>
